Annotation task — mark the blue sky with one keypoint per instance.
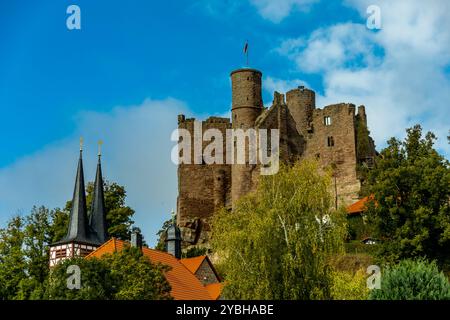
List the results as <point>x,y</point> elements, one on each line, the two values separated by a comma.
<point>135,65</point>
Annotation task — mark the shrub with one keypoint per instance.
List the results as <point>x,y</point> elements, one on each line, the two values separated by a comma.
<point>412,280</point>
<point>358,247</point>
<point>358,229</point>
<point>349,285</point>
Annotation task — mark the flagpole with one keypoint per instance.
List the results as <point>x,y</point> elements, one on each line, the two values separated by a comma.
<point>246,52</point>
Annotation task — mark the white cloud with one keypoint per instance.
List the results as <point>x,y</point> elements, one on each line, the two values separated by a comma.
<point>136,154</point>
<point>333,47</point>
<point>277,10</point>
<point>271,84</point>
<point>405,85</point>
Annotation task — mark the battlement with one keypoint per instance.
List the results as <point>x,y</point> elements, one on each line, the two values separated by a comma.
<point>345,108</point>
<point>182,120</point>
<point>218,120</point>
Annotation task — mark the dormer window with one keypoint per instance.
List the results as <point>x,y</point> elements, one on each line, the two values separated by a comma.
<point>327,121</point>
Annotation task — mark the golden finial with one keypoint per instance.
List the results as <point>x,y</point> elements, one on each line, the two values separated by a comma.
<point>81,143</point>
<point>100,142</point>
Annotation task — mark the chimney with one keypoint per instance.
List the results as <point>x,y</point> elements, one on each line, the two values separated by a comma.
<point>136,238</point>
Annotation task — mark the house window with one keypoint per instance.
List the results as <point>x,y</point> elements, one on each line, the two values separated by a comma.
<point>84,252</point>
<point>327,121</point>
<point>60,253</point>
<point>330,141</point>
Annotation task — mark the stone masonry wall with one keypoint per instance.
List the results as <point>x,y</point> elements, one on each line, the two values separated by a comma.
<point>205,274</point>
<point>202,188</point>
<point>334,144</point>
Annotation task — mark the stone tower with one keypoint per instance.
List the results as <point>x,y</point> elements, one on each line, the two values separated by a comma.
<point>301,103</point>
<point>247,105</point>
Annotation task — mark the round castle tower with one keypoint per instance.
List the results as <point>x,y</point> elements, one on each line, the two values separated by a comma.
<point>301,103</point>
<point>247,105</point>
<point>246,97</point>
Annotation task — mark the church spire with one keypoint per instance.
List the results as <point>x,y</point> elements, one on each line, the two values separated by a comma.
<point>81,239</point>
<point>78,223</point>
<point>98,215</point>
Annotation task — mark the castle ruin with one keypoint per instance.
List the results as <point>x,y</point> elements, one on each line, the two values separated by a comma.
<point>336,135</point>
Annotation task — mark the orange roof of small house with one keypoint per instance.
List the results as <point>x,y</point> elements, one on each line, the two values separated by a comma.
<point>214,290</point>
<point>185,286</point>
<point>193,263</point>
<point>359,206</point>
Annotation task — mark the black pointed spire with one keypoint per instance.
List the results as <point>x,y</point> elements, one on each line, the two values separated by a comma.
<point>98,215</point>
<point>78,220</point>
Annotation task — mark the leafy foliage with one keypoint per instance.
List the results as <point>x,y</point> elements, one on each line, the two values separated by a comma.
<point>195,252</point>
<point>412,280</point>
<point>411,185</point>
<point>358,228</point>
<point>96,281</point>
<point>161,245</point>
<point>276,242</point>
<point>12,258</point>
<point>349,285</point>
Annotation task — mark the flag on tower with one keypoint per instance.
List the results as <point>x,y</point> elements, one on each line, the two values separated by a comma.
<point>246,51</point>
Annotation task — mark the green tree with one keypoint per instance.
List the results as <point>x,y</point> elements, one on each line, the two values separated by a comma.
<point>276,243</point>
<point>96,282</point>
<point>37,239</point>
<point>195,252</point>
<point>137,277</point>
<point>60,221</point>
<point>12,258</point>
<point>161,245</point>
<point>411,210</point>
<point>412,280</point>
<point>118,215</point>
<point>124,275</point>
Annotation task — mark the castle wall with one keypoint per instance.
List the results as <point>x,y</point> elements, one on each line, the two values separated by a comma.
<point>301,103</point>
<point>333,142</point>
<point>202,188</point>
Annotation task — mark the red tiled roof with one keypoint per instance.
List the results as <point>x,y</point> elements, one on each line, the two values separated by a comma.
<point>185,286</point>
<point>193,263</point>
<point>214,290</point>
<point>359,206</point>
